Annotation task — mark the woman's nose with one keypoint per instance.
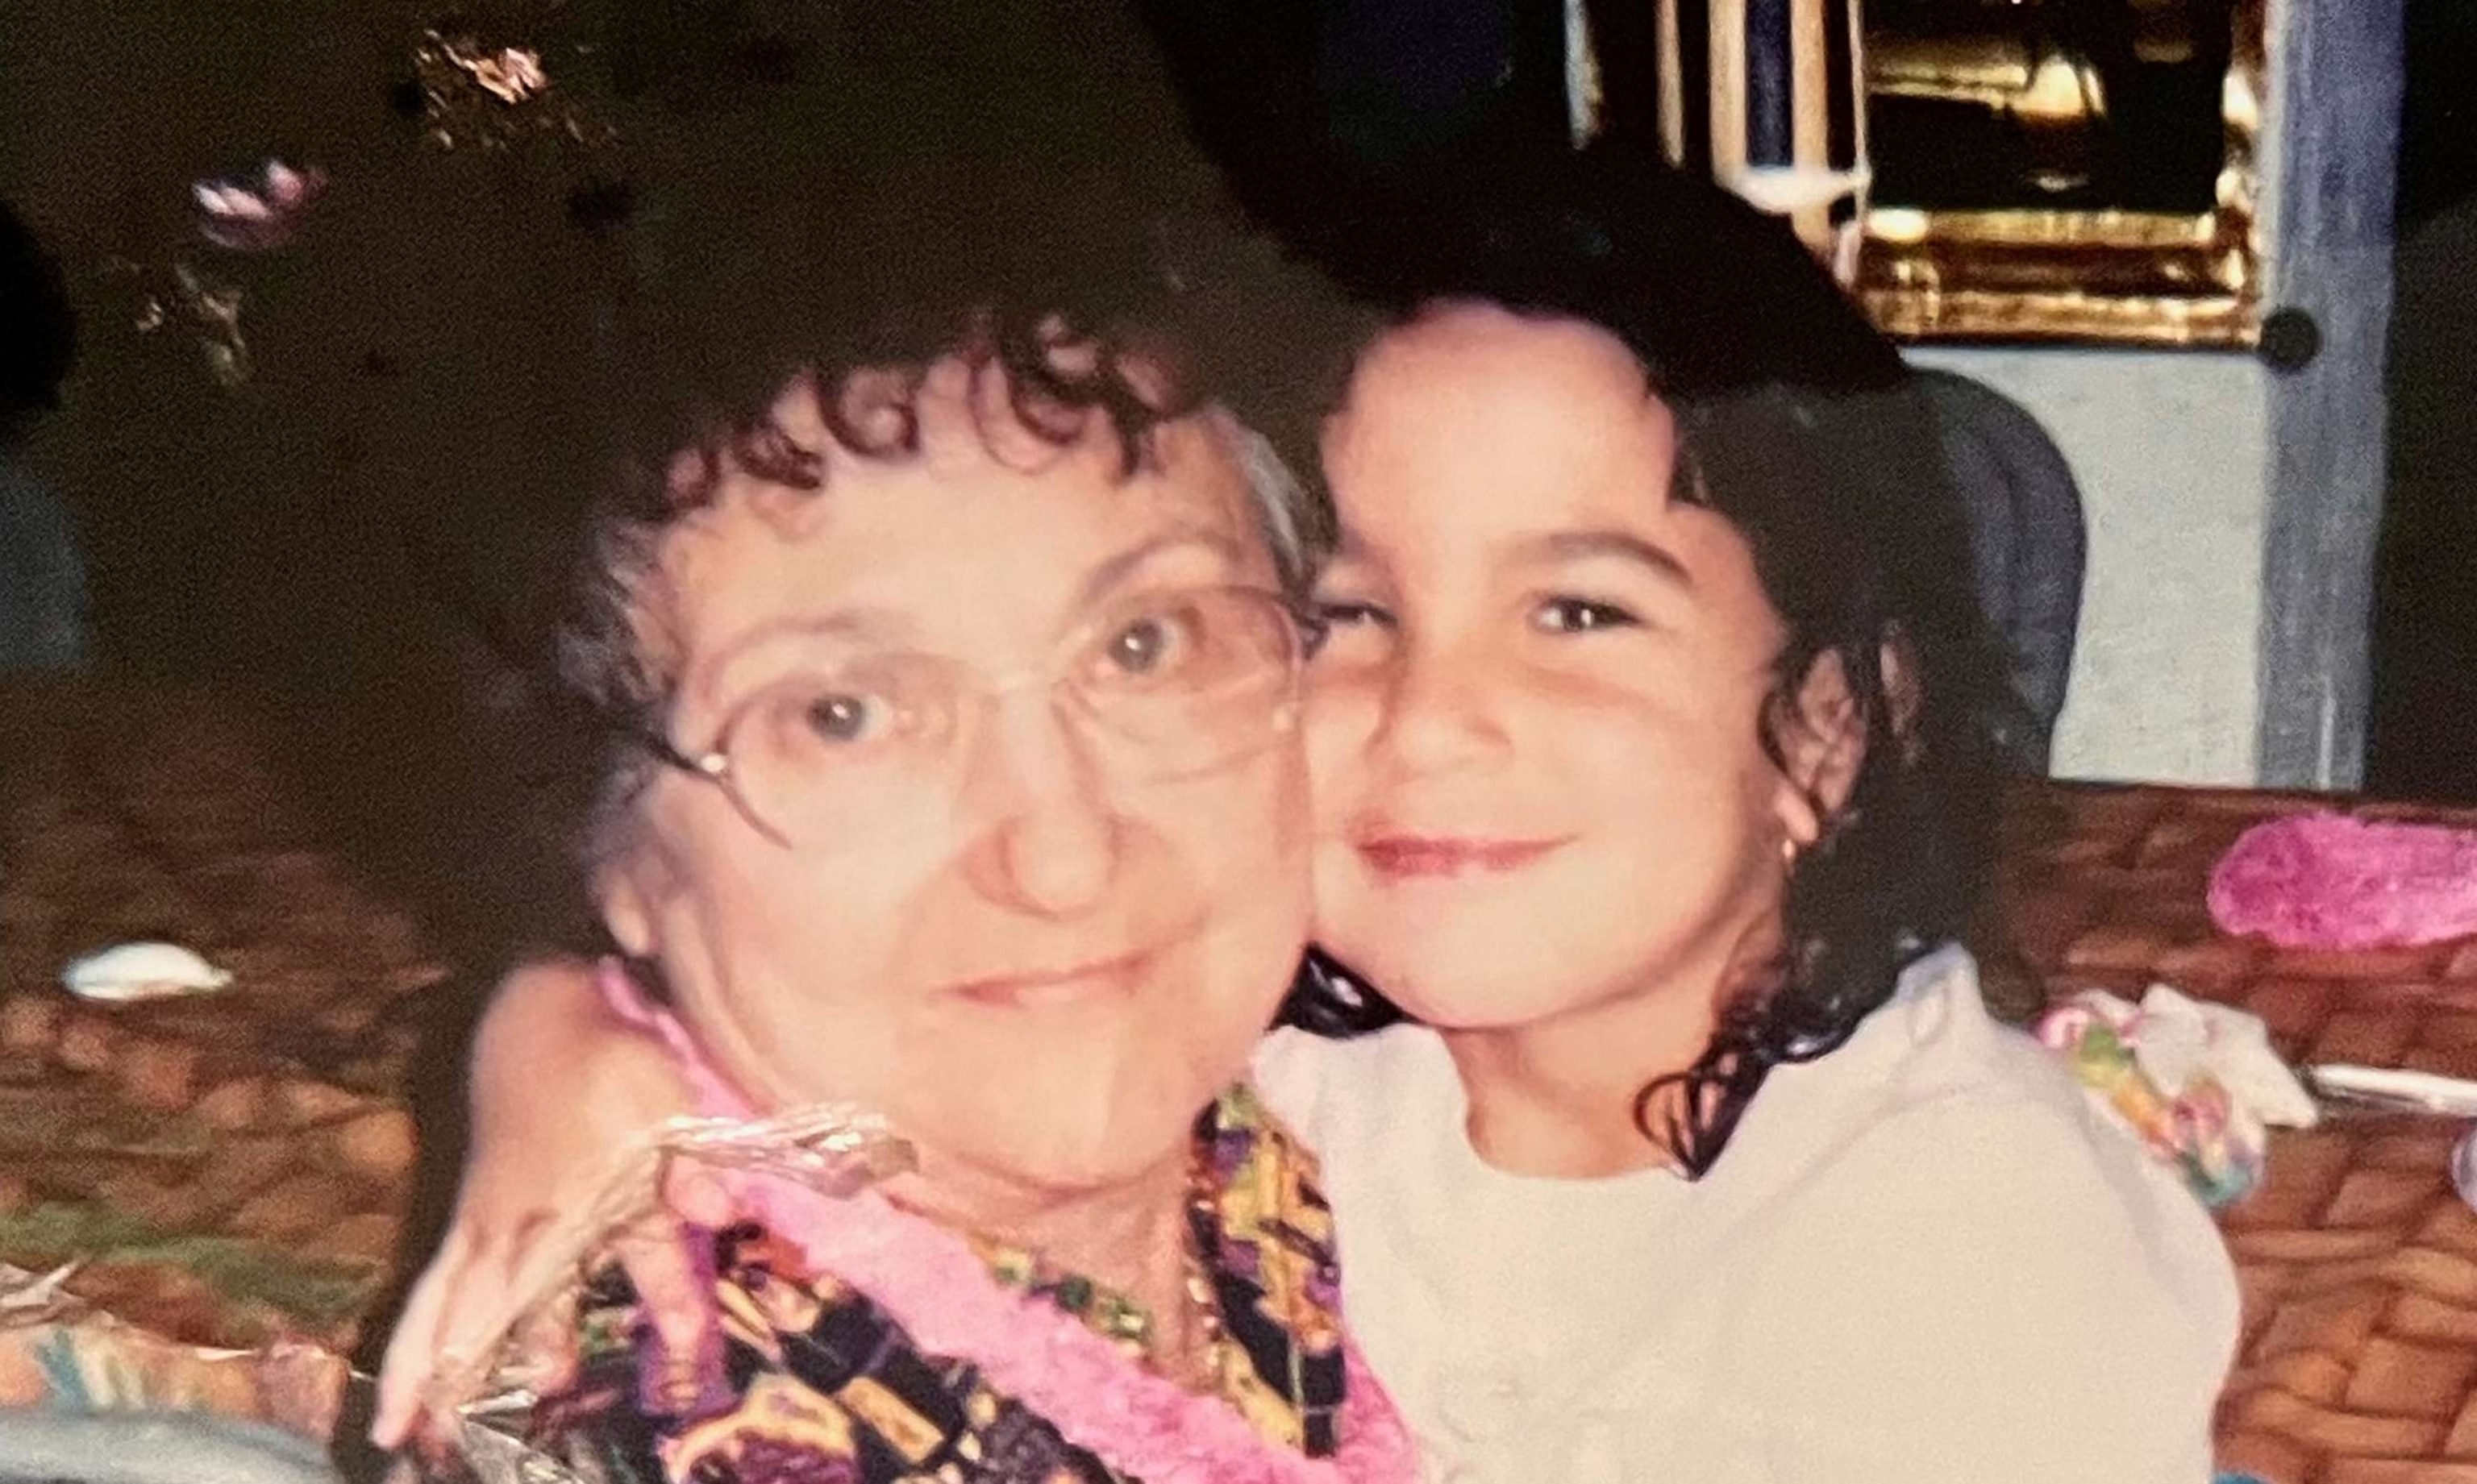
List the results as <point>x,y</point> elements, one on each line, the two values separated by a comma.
<point>1053,841</point>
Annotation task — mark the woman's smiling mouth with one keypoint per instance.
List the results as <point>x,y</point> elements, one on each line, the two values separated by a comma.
<point>1100,979</point>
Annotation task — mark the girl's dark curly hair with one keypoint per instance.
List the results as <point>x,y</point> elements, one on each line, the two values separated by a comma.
<point>1802,426</point>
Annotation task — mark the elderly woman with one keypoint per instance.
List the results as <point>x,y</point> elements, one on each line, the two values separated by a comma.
<point>941,632</point>
<point>995,869</point>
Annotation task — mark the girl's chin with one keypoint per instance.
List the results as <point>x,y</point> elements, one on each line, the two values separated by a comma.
<point>1460,999</point>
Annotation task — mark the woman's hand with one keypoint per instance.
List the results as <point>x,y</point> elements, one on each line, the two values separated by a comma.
<point>561,1086</point>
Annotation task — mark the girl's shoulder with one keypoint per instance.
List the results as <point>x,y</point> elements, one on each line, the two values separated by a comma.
<point>1931,1061</point>
<point>1935,1096</point>
<point>1960,1213</point>
<point>1942,1143</point>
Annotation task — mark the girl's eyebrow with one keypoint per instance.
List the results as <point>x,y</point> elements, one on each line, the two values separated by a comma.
<point>1555,546</point>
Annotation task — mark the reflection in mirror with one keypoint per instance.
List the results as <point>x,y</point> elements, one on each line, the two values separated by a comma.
<point>2020,169</point>
<point>2093,105</point>
<point>2063,170</point>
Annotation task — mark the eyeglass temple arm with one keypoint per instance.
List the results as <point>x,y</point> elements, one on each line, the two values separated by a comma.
<point>704,765</point>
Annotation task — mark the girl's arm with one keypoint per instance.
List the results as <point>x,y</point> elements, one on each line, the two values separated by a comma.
<point>559,1087</point>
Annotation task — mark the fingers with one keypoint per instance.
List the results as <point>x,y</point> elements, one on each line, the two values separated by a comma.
<point>456,1308</point>
<point>672,1287</point>
<point>700,1195</point>
<point>411,1352</point>
<point>454,1316</point>
<point>547,1347</point>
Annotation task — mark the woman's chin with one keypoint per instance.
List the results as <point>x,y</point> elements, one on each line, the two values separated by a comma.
<point>1118,1159</point>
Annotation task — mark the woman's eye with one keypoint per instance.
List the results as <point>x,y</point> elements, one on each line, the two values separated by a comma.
<point>1580,615</point>
<point>1145,646</point>
<point>843,716</point>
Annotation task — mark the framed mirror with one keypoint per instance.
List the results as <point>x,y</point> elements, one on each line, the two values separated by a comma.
<point>2064,170</point>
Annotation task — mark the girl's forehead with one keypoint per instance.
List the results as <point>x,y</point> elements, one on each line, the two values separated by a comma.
<point>1465,350</point>
<point>1458,423</point>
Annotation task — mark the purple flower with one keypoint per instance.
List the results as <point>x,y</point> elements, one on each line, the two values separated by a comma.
<point>257,214</point>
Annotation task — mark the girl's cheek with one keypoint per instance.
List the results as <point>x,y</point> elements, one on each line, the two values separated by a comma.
<point>1339,702</point>
<point>1341,714</point>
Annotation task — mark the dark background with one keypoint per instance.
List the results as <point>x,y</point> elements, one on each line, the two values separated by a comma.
<point>2424,731</point>
<point>325,531</point>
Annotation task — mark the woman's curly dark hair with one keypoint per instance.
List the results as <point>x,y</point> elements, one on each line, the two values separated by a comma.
<point>871,223</point>
<point>1800,424</point>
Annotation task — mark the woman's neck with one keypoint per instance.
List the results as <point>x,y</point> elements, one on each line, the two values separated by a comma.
<point>1131,1235</point>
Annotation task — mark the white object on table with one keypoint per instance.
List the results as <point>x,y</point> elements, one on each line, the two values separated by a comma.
<point>2411,1091</point>
<point>143,971</point>
<point>2396,1089</point>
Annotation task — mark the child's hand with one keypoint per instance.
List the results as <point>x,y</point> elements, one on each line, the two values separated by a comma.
<point>559,1088</point>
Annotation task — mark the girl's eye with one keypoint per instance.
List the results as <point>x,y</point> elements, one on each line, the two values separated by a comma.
<point>1351,613</point>
<point>1580,615</point>
<point>1343,627</point>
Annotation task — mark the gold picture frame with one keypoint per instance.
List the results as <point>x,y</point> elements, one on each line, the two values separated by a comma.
<point>2088,274</point>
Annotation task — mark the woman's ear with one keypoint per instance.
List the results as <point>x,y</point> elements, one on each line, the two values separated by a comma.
<point>627,902</point>
<point>1822,741</point>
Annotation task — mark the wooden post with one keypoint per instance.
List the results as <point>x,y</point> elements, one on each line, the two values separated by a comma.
<point>2335,105</point>
<point>1767,97</point>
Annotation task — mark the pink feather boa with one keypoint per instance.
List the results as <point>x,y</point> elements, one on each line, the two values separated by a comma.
<point>2331,882</point>
<point>932,1283</point>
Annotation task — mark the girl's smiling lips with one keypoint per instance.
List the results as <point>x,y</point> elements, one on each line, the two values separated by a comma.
<point>1412,857</point>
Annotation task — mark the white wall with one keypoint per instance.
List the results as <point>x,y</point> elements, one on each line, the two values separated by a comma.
<point>2171,449</point>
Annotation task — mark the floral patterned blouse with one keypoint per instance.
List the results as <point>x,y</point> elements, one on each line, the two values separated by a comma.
<point>806,1381</point>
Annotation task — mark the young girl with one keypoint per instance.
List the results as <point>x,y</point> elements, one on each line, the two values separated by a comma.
<point>1649,743</point>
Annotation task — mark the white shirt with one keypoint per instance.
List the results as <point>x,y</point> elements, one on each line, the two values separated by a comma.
<point>1923,1257</point>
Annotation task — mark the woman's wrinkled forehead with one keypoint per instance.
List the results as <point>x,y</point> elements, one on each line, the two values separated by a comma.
<point>987,503</point>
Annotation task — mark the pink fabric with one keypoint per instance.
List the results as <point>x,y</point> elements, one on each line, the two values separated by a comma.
<point>937,1287</point>
<point>2331,882</point>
